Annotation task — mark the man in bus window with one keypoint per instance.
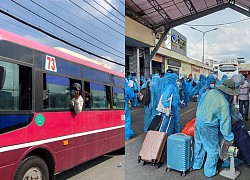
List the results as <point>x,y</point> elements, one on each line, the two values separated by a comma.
<point>76,98</point>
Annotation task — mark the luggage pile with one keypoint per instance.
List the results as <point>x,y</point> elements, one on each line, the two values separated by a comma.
<point>177,148</point>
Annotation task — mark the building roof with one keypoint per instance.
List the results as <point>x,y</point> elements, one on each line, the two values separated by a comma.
<point>170,13</point>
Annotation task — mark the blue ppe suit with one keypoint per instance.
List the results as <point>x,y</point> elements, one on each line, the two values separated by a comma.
<point>224,77</point>
<point>238,79</point>
<point>135,88</point>
<point>210,79</point>
<point>212,117</point>
<point>129,95</point>
<point>197,88</point>
<point>142,80</point>
<point>150,110</point>
<point>171,88</point>
<point>187,87</point>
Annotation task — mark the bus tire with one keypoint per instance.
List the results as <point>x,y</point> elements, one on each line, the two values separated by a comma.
<point>32,166</point>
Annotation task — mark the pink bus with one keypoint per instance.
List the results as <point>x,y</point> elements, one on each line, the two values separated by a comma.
<point>40,134</point>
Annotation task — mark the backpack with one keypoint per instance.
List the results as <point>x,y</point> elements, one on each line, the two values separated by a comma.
<point>144,96</point>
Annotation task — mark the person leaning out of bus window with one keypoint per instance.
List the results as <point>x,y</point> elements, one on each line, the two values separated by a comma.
<point>76,98</point>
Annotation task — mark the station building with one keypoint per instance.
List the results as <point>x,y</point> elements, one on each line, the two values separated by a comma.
<point>140,42</point>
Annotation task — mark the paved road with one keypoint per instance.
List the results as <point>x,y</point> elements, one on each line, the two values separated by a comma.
<point>104,168</point>
<point>137,171</point>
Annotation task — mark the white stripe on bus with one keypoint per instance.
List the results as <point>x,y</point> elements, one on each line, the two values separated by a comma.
<point>35,143</point>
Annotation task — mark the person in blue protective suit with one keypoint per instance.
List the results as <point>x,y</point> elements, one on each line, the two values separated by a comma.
<point>201,84</point>
<point>224,77</point>
<point>210,84</point>
<point>235,115</point>
<point>142,80</point>
<point>136,90</point>
<point>239,80</point>
<point>187,87</point>
<point>127,79</point>
<point>129,95</point>
<point>212,117</point>
<point>150,110</point>
<point>171,88</point>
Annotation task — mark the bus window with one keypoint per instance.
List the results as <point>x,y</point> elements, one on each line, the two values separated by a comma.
<point>99,76</point>
<point>100,96</point>
<point>2,76</point>
<point>108,97</point>
<point>118,101</point>
<point>16,92</point>
<point>227,69</point>
<point>87,95</point>
<point>117,81</point>
<point>56,92</point>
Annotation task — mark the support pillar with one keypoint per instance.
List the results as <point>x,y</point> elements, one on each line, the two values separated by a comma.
<point>147,63</point>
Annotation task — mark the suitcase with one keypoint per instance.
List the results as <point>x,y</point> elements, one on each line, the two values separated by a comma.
<point>153,149</point>
<point>156,123</point>
<point>242,140</point>
<point>180,148</point>
<point>189,128</point>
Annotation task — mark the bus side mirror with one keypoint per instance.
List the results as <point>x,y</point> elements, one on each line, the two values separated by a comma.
<point>2,76</point>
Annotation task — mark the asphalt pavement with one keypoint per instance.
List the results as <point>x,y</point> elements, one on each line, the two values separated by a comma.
<point>137,171</point>
<point>108,167</point>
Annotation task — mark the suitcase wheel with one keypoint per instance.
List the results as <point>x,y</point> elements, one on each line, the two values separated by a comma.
<point>183,174</point>
<point>168,170</point>
<point>139,159</point>
<point>159,165</point>
<point>144,163</point>
<point>154,162</point>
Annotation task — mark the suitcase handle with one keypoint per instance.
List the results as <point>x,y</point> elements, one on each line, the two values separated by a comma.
<point>192,150</point>
<point>181,134</point>
<point>170,115</point>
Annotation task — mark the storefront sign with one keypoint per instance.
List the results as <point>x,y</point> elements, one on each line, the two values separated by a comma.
<point>158,58</point>
<point>174,63</point>
<point>178,42</point>
<point>196,70</point>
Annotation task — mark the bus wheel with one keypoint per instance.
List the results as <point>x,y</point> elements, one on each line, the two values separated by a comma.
<point>33,168</point>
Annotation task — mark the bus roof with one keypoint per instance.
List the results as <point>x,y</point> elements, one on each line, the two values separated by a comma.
<point>8,36</point>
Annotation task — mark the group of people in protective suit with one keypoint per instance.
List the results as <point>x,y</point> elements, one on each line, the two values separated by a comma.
<point>214,116</point>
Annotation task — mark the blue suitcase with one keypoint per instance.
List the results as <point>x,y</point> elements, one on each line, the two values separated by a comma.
<point>180,148</point>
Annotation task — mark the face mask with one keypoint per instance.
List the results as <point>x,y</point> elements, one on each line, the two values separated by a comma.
<point>73,92</point>
<point>212,86</point>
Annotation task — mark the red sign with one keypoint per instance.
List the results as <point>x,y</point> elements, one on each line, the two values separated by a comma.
<point>196,70</point>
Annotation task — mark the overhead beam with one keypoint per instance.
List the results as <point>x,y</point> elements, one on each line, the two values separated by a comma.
<point>193,16</point>
<point>159,44</point>
<point>239,9</point>
<point>219,2</point>
<point>129,12</point>
<point>190,6</point>
<point>158,8</point>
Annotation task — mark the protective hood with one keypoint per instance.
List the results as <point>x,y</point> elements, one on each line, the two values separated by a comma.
<point>224,77</point>
<point>238,79</point>
<point>210,79</point>
<point>202,78</point>
<point>171,78</point>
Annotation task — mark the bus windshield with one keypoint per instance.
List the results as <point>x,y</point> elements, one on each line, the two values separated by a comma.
<point>228,68</point>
